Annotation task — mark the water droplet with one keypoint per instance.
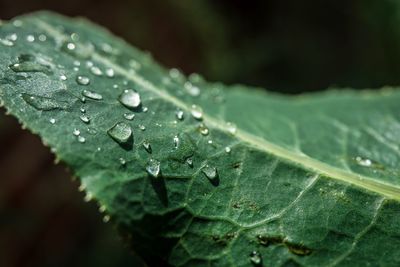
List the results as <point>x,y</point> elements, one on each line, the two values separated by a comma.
<point>197,112</point>
<point>63,77</point>
<point>29,63</point>
<point>142,127</point>
<point>122,161</point>
<point>12,37</point>
<point>77,63</point>
<point>210,172</point>
<point>85,118</point>
<point>129,116</point>
<point>130,98</point>
<point>92,95</point>
<point>176,141</point>
<point>71,46</point>
<point>81,139</point>
<point>82,109</point>
<point>210,142</point>
<point>110,73</point>
<point>17,23</point>
<point>255,258</point>
<point>231,128</point>
<point>30,38</point>
<point>42,103</point>
<point>176,75</point>
<point>96,71</point>
<point>88,197</point>
<point>102,209</point>
<point>153,168</point>
<point>179,114</point>
<point>189,161</point>
<point>147,146</point>
<point>363,161</point>
<point>91,131</point>
<point>191,89</point>
<point>145,109</point>
<point>120,132</point>
<point>228,149</point>
<point>106,218</point>
<point>82,80</point>
<point>76,132</point>
<point>203,129</point>
<point>6,42</point>
<point>52,121</point>
<point>42,38</point>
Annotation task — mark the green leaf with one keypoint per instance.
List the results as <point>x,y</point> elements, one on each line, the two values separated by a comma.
<point>200,174</point>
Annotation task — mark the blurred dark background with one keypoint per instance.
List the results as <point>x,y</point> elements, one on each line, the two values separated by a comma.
<point>287,46</point>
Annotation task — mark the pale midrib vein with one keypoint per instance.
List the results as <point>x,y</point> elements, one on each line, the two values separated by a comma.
<point>317,166</point>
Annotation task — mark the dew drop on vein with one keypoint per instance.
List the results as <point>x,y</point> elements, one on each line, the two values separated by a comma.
<point>153,168</point>
<point>129,98</point>
<point>92,95</point>
<point>179,114</point>
<point>120,132</point>
<point>197,112</point>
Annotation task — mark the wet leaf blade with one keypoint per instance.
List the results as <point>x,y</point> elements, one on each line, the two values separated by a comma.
<point>205,174</point>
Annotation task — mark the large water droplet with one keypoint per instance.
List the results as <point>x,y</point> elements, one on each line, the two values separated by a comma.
<point>255,258</point>
<point>120,132</point>
<point>147,146</point>
<point>82,80</point>
<point>92,95</point>
<point>197,112</point>
<point>153,168</point>
<point>130,98</point>
<point>210,172</point>
<point>43,103</point>
<point>29,63</point>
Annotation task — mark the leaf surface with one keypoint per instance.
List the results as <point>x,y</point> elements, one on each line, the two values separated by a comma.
<point>201,174</point>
